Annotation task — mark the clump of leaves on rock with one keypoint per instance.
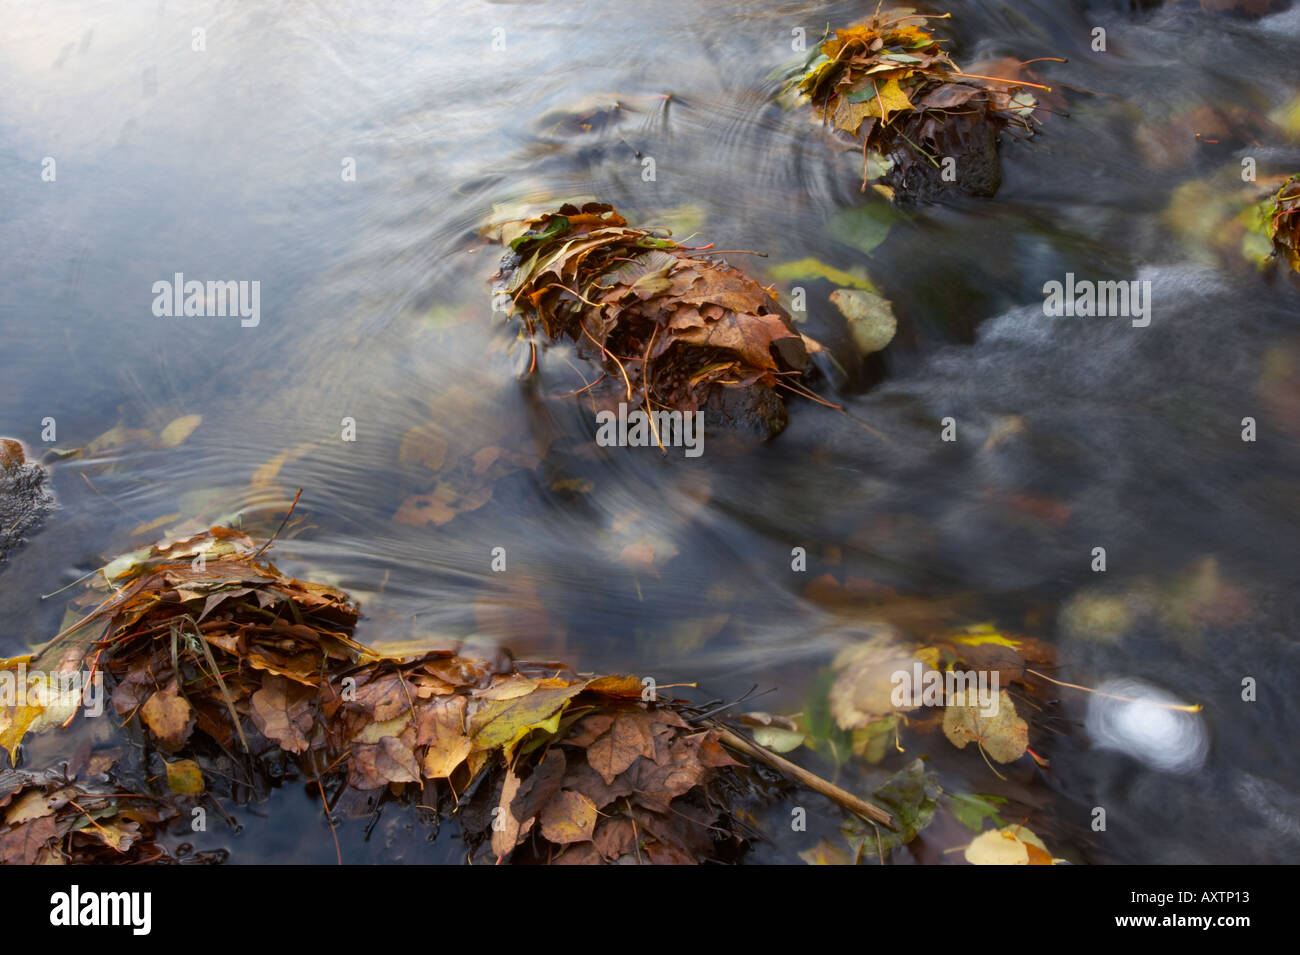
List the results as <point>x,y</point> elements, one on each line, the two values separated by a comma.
<point>48,818</point>
<point>1284,222</point>
<point>889,85</point>
<point>231,671</point>
<point>25,498</point>
<point>672,327</point>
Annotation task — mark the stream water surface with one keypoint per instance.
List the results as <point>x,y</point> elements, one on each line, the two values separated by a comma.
<point>232,162</point>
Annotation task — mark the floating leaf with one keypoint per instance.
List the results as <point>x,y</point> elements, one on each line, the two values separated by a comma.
<point>1011,845</point>
<point>870,317</point>
<point>1002,734</point>
<point>179,430</point>
<point>971,809</point>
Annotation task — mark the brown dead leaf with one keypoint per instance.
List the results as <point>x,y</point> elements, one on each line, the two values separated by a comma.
<point>282,713</point>
<point>569,817</point>
<point>169,717</point>
<point>630,736</point>
<point>21,844</point>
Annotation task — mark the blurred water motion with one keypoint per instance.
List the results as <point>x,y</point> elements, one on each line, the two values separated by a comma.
<point>1146,727</point>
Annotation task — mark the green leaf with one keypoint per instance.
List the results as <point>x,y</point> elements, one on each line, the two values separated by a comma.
<point>554,227</point>
<point>870,318</point>
<point>971,809</point>
<point>811,268</point>
<point>913,795</point>
<point>863,227</point>
<point>818,721</point>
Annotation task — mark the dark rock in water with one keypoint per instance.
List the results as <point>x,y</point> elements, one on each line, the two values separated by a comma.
<point>752,411</point>
<point>972,139</point>
<point>25,498</point>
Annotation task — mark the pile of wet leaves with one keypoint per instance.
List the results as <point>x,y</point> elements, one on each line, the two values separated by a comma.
<point>25,498</point>
<point>1284,222</point>
<point>889,85</point>
<point>673,328</point>
<point>227,676</point>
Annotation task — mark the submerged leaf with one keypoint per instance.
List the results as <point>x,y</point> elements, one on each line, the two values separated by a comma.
<point>1002,734</point>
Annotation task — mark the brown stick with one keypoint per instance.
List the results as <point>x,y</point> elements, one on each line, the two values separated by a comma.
<point>814,782</point>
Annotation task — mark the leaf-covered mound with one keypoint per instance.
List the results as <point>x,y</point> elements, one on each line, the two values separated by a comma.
<point>672,328</point>
<point>25,498</point>
<point>1284,222</point>
<point>234,677</point>
<point>889,84</point>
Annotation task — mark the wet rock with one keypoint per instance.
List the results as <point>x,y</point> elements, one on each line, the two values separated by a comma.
<point>749,412</point>
<point>973,139</point>
<point>25,498</point>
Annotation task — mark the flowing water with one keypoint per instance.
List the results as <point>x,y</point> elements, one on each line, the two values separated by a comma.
<point>231,162</point>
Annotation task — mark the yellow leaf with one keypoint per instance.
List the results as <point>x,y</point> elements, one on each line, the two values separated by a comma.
<point>995,847</point>
<point>504,723</point>
<point>424,445</point>
<point>890,98</point>
<point>1001,733</point>
<point>155,524</point>
<point>33,804</point>
<point>374,732</point>
<point>184,777</point>
<point>975,636</point>
<point>849,116</point>
<point>179,430</point>
<point>569,817</point>
<point>1011,845</point>
<point>116,437</point>
<point>267,473</point>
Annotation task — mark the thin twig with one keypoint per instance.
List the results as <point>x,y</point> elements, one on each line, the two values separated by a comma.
<point>814,782</point>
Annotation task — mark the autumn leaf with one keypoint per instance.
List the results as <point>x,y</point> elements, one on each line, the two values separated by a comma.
<point>180,429</point>
<point>14,723</point>
<point>442,730</point>
<point>569,817</point>
<point>282,713</point>
<point>119,836</point>
<point>169,717</point>
<point>21,844</point>
<point>33,804</point>
<point>870,317</point>
<point>391,760</point>
<point>971,809</point>
<point>889,83</point>
<point>1011,845</point>
<point>669,325</point>
<point>863,691</point>
<point>630,736</point>
<point>503,723</point>
<point>184,777</point>
<point>1001,735</point>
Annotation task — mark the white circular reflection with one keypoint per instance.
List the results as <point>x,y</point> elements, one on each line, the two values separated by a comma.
<point>1166,739</point>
